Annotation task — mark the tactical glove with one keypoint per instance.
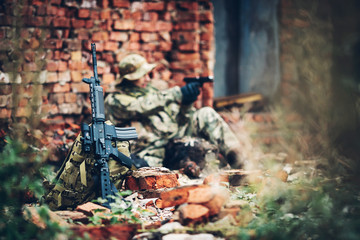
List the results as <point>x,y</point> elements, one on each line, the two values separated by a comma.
<point>190,93</point>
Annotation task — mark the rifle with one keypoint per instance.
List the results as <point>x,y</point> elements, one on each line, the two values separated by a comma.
<point>201,80</point>
<point>99,136</point>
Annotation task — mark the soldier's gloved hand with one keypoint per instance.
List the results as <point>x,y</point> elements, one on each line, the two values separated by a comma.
<point>190,92</point>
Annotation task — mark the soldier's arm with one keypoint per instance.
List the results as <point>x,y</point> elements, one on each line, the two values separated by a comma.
<point>123,107</point>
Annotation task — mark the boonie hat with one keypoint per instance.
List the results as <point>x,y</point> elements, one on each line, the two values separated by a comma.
<point>133,67</point>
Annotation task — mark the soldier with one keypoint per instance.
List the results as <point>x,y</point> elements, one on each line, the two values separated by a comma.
<point>163,115</point>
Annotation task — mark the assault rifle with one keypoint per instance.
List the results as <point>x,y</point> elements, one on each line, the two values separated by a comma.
<point>200,80</point>
<point>98,137</point>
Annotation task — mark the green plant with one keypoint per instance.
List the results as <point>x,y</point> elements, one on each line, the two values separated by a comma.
<point>121,211</point>
<point>308,209</point>
<point>21,183</point>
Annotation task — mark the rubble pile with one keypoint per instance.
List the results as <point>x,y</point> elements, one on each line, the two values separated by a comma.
<point>165,206</point>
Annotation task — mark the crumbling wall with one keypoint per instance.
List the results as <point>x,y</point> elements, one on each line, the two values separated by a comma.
<point>45,50</point>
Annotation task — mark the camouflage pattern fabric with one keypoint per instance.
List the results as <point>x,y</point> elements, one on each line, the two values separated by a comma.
<point>158,116</point>
<point>75,182</point>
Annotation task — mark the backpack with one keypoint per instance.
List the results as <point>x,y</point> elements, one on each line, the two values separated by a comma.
<point>76,181</point>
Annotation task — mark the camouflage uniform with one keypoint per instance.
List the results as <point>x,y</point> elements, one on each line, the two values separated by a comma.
<point>158,116</point>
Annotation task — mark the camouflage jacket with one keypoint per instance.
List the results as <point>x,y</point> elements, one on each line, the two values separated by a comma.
<point>157,116</point>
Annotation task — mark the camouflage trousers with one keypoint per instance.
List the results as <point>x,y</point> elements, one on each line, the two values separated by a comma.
<point>75,183</point>
<point>205,123</point>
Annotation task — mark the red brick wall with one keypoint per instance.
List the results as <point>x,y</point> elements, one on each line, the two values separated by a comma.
<point>51,49</point>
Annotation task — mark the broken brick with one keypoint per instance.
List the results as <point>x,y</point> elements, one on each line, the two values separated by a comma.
<point>217,202</point>
<point>151,178</point>
<point>175,196</point>
<point>193,213</point>
<point>90,208</point>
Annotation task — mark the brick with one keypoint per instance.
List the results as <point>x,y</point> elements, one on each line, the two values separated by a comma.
<point>90,208</point>
<point>136,16</point>
<point>124,24</point>
<point>132,46</point>
<point>5,89</point>
<point>104,3</point>
<point>63,66</point>
<point>77,23</point>
<point>76,76</point>
<point>58,98</point>
<point>154,6</point>
<point>164,26</point>
<point>184,37</point>
<point>119,36</point>
<point>187,26</point>
<point>61,88</point>
<point>95,14</point>
<point>105,14</point>
<point>73,44</point>
<point>70,97</point>
<point>138,6</point>
<point>193,6</point>
<point>207,28</point>
<point>84,13</point>
<point>206,16</point>
<point>76,55</point>
<point>175,197</point>
<point>108,57</point>
<point>149,37</point>
<point>100,36</point>
<point>134,37</point>
<point>217,179</point>
<point>89,24</point>
<point>151,178</point>
<point>186,65</point>
<point>206,36</point>
<point>189,46</point>
<point>111,46</point>
<point>200,195</point>
<point>149,46</point>
<point>56,55</point>
<point>165,46</point>
<point>166,16</point>
<point>171,6</point>
<point>151,16</point>
<point>60,12</point>
<point>218,201</point>
<point>80,88</point>
<point>53,43</point>
<point>165,36</point>
<point>5,113</point>
<point>51,77</point>
<point>185,56</point>
<point>30,67</point>
<point>187,17</point>
<point>122,13</point>
<point>121,3</point>
<point>82,34</point>
<point>108,78</point>
<point>64,76</point>
<point>52,66</point>
<point>142,26</point>
<point>193,214</point>
<point>61,22</point>
<point>65,56</point>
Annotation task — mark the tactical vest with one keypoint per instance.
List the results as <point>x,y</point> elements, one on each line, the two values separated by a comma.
<point>76,181</point>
